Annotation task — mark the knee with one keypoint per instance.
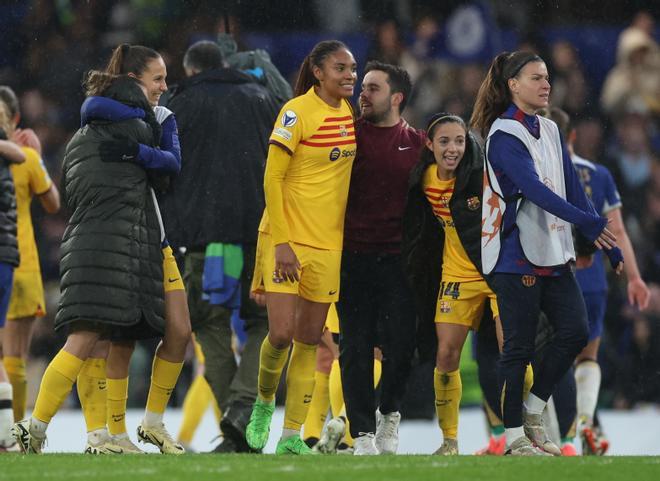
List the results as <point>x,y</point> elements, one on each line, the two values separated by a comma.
<point>179,330</point>
<point>448,358</point>
<point>281,339</point>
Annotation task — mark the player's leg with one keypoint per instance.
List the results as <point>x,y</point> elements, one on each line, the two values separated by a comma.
<point>91,385</point>
<point>56,385</point>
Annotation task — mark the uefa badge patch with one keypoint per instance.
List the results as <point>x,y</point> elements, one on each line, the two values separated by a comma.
<point>528,281</point>
<point>289,118</point>
<point>473,203</point>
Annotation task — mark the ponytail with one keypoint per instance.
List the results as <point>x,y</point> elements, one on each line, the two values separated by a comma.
<point>494,96</point>
<point>305,78</point>
<point>125,59</point>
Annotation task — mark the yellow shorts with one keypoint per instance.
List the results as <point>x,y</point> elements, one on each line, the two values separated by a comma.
<point>319,275</point>
<point>27,296</point>
<point>332,321</point>
<point>172,280</point>
<point>463,303</point>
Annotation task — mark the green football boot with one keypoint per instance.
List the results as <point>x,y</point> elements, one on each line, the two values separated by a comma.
<point>293,445</point>
<point>258,428</point>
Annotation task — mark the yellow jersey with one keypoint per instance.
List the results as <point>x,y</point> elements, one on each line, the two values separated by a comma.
<point>320,140</point>
<point>456,265</point>
<point>30,178</point>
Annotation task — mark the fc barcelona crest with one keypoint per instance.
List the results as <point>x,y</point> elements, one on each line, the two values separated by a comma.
<point>473,203</point>
<point>528,281</point>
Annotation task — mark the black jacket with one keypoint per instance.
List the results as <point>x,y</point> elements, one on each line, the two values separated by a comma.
<point>423,235</point>
<point>224,120</point>
<point>8,242</point>
<point>111,261</point>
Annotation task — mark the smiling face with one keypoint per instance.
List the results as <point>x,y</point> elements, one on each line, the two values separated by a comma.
<point>376,99</point>
<point>530,89</point>
<point>152,80</point>
<point>337,75</point>
<point>448,147</point>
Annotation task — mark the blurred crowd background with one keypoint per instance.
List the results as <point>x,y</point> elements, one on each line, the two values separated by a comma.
<point>603,57</point>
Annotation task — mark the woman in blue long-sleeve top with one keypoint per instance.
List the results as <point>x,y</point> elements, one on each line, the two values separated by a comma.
<point>532,195</point>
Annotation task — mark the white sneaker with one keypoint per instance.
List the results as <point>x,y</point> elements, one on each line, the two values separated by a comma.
<point>535,431</point>
<point>121,444</point>
<point>26,438</point>
<point>9,446</point>
<point>96,441</point>
<point>159,437</point>
<point>364,445</point>
<point>387,432</point>
<point>332,435</point>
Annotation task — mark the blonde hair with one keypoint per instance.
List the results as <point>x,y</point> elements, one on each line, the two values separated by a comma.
<point>5,119</point>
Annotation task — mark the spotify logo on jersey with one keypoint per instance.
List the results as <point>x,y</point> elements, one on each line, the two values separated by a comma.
<point>334,154</point>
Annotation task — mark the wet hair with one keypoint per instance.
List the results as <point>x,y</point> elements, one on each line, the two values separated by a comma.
<point>316,57</point>
<point>561,118</point>
<point>203,55</point>
<point>397,78</point>
<point>494,95</point>
<point>9,98</point>
<point>125,59</point>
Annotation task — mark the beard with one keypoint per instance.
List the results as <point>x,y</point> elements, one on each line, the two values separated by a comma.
<point>376,115</point>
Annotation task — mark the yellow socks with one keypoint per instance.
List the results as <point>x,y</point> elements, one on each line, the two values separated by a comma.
<point>448,391</point>
<point>15,367</point>
<point>56,385</point>
<point>271,364</point>
<point>164,375</point>
<point>91,385</point>
<point>378,372</point>
<point>529,381</point>
<point>116,405</point>
<point>318,408</point>
<point>197,400</point>
<point>299,385</point>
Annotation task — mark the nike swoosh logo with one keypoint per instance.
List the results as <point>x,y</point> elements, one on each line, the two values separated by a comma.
<point>173,280</point>
<point>404,148</point>
<point>331,293</point>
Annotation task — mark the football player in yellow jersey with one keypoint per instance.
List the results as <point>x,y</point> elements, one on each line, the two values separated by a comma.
<point>27,299</point>
<point>9,260</point>
<point>311,153</point>
<point>445,260</point>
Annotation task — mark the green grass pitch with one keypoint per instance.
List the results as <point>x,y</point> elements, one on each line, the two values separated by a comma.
<point>71,467</point>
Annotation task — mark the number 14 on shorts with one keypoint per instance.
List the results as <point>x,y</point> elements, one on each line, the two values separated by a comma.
<point>450,289</point>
